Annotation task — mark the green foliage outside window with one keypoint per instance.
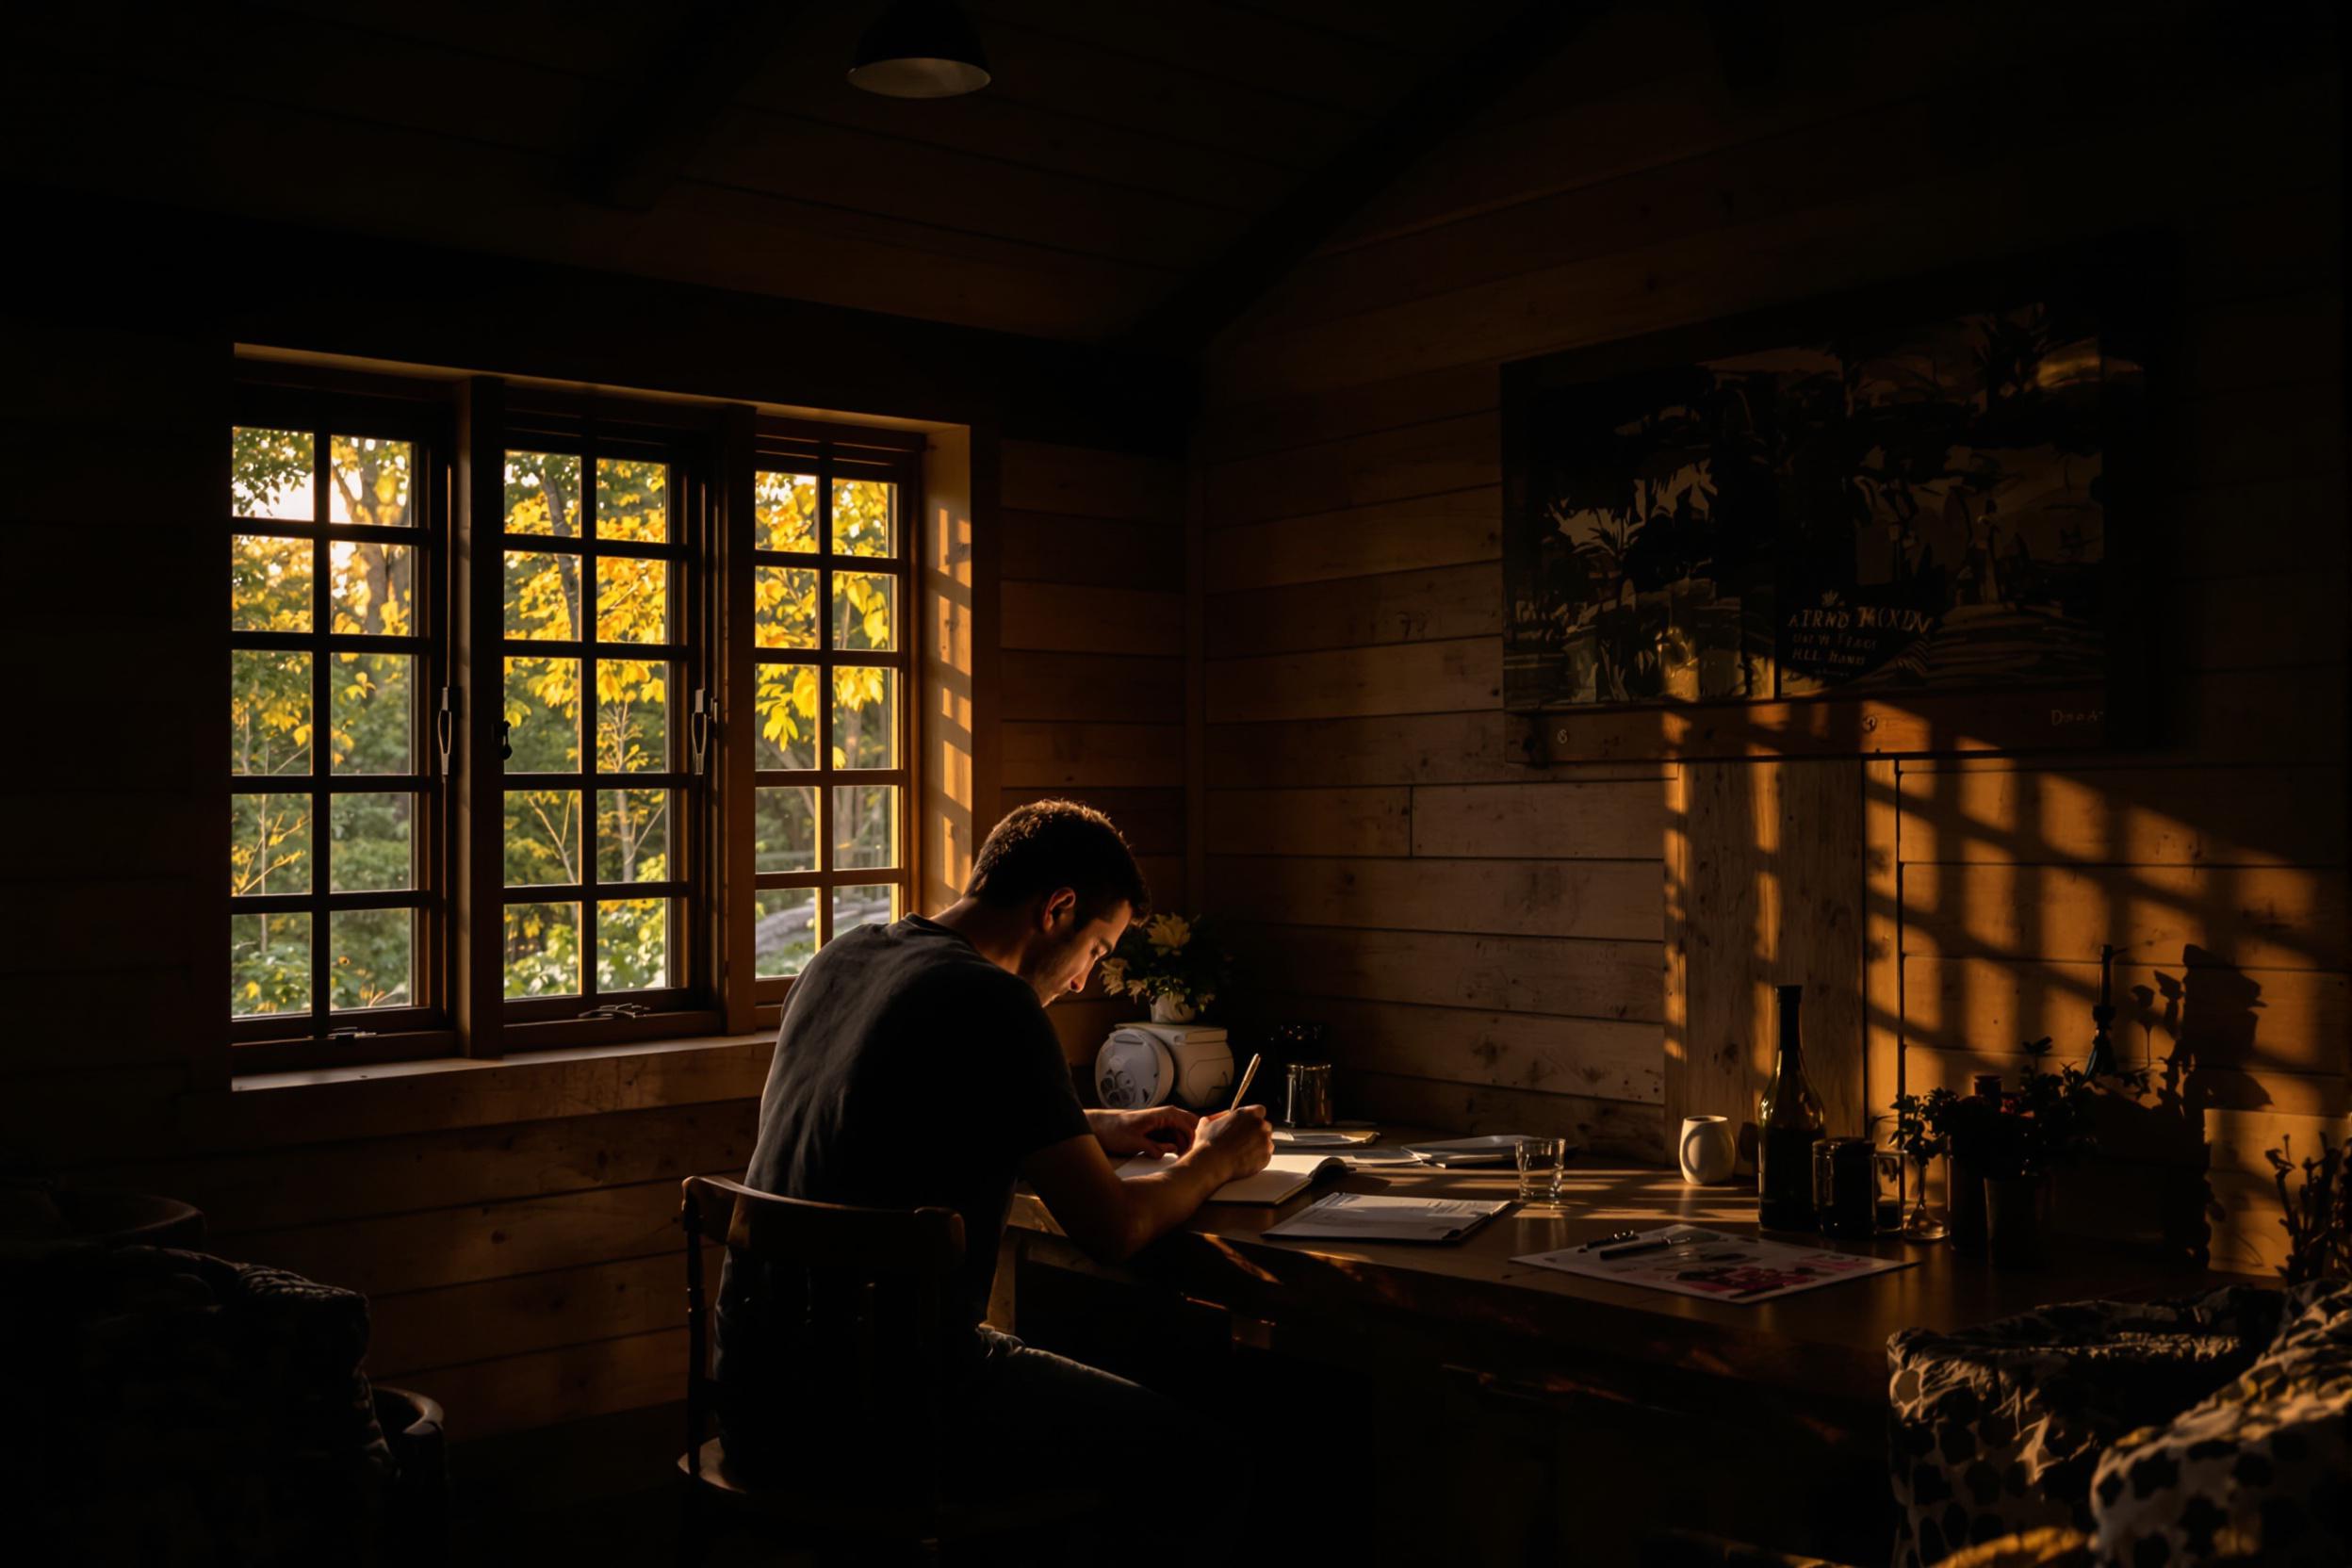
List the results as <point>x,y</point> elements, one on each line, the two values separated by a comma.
<point>273,731</point>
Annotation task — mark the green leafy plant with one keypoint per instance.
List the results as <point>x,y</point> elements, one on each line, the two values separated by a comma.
<point>2045,1123</point>
<point>1168,956</point>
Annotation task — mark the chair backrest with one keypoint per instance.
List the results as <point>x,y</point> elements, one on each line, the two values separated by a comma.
<point>855,1319</point>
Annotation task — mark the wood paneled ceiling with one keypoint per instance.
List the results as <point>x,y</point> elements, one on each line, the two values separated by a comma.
<point>1122,148</point>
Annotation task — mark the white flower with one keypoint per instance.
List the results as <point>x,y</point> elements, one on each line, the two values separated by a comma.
<point>1168,931</point>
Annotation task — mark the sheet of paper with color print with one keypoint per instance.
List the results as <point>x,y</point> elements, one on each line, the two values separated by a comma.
<point>1713,1265</point>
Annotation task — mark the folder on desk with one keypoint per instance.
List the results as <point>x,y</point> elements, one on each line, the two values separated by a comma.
<point>1366,1216</point>
<point>1283,1175</point>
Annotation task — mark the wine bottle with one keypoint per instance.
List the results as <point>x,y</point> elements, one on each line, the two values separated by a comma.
<point>1791,1125</point>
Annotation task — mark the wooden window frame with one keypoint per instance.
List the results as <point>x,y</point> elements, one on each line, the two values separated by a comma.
<point>827,452</point>
<point>323,1035</point>
<point>691,1005</point>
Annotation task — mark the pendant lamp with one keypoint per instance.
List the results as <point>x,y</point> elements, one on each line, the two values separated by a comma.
<point>920,49</point>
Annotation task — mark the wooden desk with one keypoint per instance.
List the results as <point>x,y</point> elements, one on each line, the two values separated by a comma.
<point>1829,1342</point>
<point>1801,1380</point>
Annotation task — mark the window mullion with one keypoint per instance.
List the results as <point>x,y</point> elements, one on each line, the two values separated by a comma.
<point>822,816</point>
<point>477,967</point>
<point>321,726</point>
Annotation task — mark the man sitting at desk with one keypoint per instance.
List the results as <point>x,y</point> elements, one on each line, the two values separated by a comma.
<point>915,1067</point>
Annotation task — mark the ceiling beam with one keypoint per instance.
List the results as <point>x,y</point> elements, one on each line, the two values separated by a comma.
<point>1222,289</point>
<point>639,151</point>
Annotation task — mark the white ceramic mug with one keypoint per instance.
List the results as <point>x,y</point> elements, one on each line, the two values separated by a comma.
<point>1710,1150</point>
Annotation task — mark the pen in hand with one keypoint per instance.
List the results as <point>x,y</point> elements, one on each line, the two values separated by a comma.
<point>1248,1074</point>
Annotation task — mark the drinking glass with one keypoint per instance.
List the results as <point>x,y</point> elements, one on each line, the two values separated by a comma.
<point>1542,1164</point>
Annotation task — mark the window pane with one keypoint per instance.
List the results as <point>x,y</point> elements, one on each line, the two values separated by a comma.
<point>865,825</point>
<point>543,950</point>
<point>368,480</point>
<point>633,715</point>
<point>865,718</point>
<point>269,583</point>
<point>542,494</point>
<point>633,835</point>
<point>270,473</point>
<point>632,945</point>
<point>864,611</point>
<point>372,693</point>
<point>542,715</point>
<point>865,518</point>
<point>856,907</point>
<point>784,507</point>
<point>370,964</point>
<point>632,499</point>
<point>268,711</point>
<point>371,588</point>
<point>268,964</point>
<point>542,838</point>
<point>784,829</point>
<point>784,607</point>
<point>268,844</point>
<point>370,844</point>
<point>785,935</point>
<point>633,600</point>
<point>787,716</point>
<point>542,595</point>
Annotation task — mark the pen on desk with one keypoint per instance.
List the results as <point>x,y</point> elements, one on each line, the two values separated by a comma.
<point>1248,1074</point>
<point>1660,1243</point>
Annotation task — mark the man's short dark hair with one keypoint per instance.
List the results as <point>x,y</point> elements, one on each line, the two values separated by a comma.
<point>1058,843</point>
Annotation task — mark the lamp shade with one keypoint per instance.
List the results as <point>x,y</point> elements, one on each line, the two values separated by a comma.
<point>920,49</point>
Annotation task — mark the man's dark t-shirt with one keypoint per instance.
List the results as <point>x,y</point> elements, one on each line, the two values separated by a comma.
<point>909,1071</point>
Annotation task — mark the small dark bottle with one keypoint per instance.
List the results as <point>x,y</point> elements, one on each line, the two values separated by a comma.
<point>1790,1126</point>
<point>1966,1202</point>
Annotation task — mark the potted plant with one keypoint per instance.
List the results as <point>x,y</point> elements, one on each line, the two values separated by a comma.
<point>2317,1217</point>
<point>1171,963</point>
<point>1917,1138</point>
<point>2006,1149</point>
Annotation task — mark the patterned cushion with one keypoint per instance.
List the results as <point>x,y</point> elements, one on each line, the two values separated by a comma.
<point>2052,1546</point>
<point>2261,1472</point>
<point>1996,1431</point>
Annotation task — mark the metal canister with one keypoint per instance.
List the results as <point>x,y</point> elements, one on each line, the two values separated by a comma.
<point>1307,1094</point>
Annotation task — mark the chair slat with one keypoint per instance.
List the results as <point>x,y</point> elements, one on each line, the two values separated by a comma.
<point>917,1243</point>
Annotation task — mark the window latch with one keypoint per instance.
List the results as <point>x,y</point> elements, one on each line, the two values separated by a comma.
<point>700,722</point>
<point>445,727</point>
<point>617,1009</point>
<point>351,1032</point>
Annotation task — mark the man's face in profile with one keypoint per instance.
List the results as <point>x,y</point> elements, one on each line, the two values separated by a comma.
<point>1067,949</point>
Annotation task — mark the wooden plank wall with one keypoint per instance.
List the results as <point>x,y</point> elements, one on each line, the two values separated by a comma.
<point>1091,629</point>
<point>1485,939</point>
<point>513,1224</point>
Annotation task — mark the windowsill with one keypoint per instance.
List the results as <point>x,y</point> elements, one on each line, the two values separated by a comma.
<point>390,1098</point>
<point>309,1077</point>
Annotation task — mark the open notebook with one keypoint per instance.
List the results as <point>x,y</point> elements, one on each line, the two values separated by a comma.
<point>1283,1175</point>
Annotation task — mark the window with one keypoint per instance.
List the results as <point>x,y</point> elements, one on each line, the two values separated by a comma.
<point>335,613</point>
<point>474,795</point>
<point>830,650</point>
<point>600,657</point>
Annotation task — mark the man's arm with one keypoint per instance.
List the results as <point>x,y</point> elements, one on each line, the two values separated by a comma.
<point>1133,1132</point>
<point>1112,1219</point>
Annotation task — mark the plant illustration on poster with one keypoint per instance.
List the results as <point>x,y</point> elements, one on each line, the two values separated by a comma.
<point>1867,511</point>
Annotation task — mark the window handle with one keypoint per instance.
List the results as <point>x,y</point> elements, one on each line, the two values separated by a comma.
<point>705,717</point>
<point>617,1009</point>
<point>445,727</point>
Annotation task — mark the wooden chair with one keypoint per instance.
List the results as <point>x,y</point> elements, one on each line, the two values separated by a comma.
<point>865,1350</point>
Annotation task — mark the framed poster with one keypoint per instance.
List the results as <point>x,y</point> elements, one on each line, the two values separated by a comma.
<point>1925,503</point>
